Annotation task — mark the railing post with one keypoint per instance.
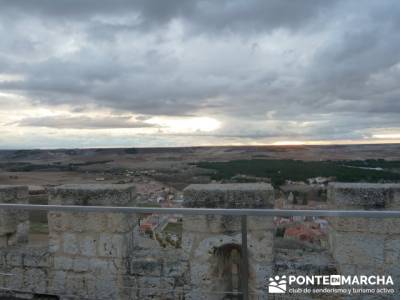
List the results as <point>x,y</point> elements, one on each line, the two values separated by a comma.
<point>245,260</point>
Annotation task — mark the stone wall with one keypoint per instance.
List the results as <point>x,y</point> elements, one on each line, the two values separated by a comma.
<point>362,246</point>
<point>211,243</point>
<point>22,268</point>
<point>90,255</point>
<point>14,225</point>
<point>104,256</point>
<point>26,270</point>
<point>160,273</point>
<point>91,250</point>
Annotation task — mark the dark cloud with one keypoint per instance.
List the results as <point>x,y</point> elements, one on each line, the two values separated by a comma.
<point>208,15</point>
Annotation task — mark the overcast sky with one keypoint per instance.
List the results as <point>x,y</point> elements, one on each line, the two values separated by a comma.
<point>178,73</point>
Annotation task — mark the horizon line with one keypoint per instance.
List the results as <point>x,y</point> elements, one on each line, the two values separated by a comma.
<point>273,145</point>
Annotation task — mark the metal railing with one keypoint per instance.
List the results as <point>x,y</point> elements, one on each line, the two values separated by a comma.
<point>210,211</point>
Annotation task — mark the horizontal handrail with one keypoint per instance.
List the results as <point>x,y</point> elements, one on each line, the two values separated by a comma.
<point>209,211</point>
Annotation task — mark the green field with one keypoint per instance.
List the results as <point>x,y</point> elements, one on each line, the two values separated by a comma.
<point>280,170</point>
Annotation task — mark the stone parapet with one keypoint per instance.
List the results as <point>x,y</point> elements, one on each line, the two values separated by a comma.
<point>91,250</point>
<point>105,256</point>
<point>93,194</point>
<point>14,225</point>
<point>364,195</point>
<point>212,243</point>
<point>25,269</point>
<point>230,195</point>
<point>365,246</point>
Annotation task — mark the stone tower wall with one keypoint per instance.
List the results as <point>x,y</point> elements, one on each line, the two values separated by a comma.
<point>204,235</point>
<point>103,256</point>
<point>14,225</point>
<point>90,255</point>
<point>91,250</point>
<point>363,246</point>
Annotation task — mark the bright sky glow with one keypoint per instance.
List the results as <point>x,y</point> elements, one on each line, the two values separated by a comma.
<point>185,125</point>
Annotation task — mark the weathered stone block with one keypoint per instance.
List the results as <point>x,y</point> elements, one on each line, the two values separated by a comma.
<point>111,245</point>
<point>54,242</point>
<point>358,248</point>
<point>131,291</point>
<point>58,221</point>
<point>119,222</point>
<point>390,225</point>
<point>96,222</point>
<point>244,195</point>
<point>78,221</point>
<point>16,281</point>
<point>35,280</point>
<point>366,225</point>
<point>200,274</point>
<point>3,254</point>
<point>91,284</point>
<point>259,274</point>
<point>170,291</point>
<point>100,266</point>
<point>3,241</point>
<point>14,223</point>
<point>14,258</point>
<point>261,246</point>
<point>145,267</point>
<point>76,285</point>
<point>57,282</point>
<point>106,288</point>
<point>199,294</point>
<point>175,268</point>
<point>392,250</point>
<point>93,194</point>
<point>119,265</point>
<point>63,263</point>
<point>211,224</point>
<point>37,257</point>
<point>149,287</point>
<point>364,195</point>
<point>80,264</point>
<point>88,245</point>
<point>14,194</point>
<point>8,223</point>
<point>70,243</point>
